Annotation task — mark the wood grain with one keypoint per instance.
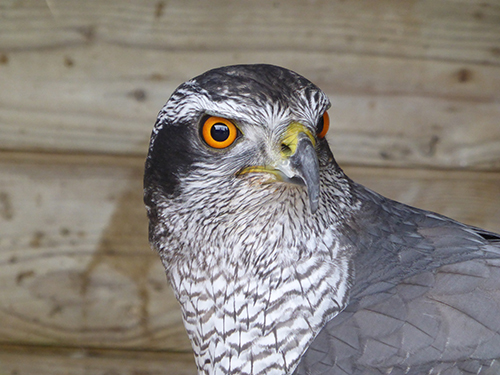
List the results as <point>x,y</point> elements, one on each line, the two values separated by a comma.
<point>15,360</point>
<point>451,30</point>
<point>75,266</point>
<point>75,259</point>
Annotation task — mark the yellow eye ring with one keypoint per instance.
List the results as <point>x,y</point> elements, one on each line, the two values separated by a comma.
<point>323,125</point>
<point>218,132</point>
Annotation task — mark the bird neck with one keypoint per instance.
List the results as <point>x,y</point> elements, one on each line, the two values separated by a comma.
<point>259,321</point>
<point>256,273</point>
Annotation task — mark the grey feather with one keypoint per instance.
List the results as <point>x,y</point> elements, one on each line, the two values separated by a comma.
<point>425,300</point>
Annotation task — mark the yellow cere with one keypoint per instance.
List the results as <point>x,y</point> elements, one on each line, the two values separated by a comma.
<point>291,137</point>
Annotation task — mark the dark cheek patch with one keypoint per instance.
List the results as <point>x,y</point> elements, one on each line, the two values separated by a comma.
<point>171,157</point>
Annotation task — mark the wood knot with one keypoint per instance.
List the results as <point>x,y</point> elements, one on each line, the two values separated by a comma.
<point>68,62</point>
<point>4,59</point>
<point>464,75</point>
<point>139,95</point>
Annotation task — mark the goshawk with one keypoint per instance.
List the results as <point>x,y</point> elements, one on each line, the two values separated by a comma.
<point>282,264</point>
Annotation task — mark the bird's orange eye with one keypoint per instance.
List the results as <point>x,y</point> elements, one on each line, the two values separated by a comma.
<point>323,125</point>
<point>218,132</point>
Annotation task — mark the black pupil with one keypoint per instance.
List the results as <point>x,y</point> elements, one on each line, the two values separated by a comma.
<point>319,127</point>
<point>219,132</point>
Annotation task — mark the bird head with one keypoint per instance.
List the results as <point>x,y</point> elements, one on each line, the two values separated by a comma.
<point>254,127</point>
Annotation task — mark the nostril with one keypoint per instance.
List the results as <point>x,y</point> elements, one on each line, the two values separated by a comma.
<point>285,149</point>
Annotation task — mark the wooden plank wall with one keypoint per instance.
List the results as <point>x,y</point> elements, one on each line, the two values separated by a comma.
<point>415,87</point>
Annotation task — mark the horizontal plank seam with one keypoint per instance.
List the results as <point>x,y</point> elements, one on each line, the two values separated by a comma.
<point>22,347</point>
<point>154,47</point>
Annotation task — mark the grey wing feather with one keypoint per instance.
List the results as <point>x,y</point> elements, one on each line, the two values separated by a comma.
<point>425,298</point>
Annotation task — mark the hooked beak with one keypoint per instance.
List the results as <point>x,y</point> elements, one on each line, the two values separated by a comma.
<point>298,163</point>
